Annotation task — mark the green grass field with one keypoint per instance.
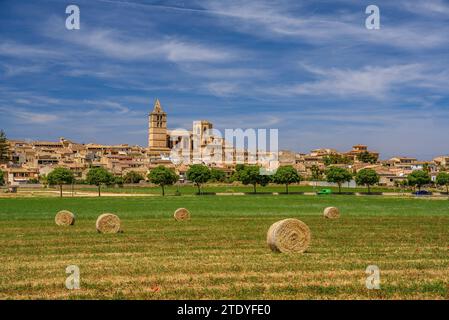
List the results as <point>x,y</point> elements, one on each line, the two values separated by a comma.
<point>221,253</point>
<point>189,189</point>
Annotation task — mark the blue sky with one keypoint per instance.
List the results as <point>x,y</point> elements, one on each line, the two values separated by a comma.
<point>309,68</point>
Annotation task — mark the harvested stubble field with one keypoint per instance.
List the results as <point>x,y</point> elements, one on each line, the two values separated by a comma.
<point>221,253</point>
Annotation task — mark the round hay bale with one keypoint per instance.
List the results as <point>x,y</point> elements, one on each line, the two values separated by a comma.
<point>289,236</point>
<point>108,223</point>
<point>181,214</point>
<point>331,213</point>
<point>65,218</point>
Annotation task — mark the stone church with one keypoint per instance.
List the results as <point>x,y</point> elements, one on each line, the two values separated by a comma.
<point>158,137</point>
<point>200,145</point>
<point>161,140</point>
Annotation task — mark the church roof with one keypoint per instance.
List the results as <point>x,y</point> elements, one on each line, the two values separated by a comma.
<point>157,107</point>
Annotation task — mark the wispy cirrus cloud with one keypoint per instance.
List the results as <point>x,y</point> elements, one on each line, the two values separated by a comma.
<point>12,70</point>
<point>28,51</point>
<point>107,105</point>
<point>429,7</point>
<point>293,20</point>
<point>379,82</point>
<point>372,81</point>
<point>222,89</point>
<point>116,44</point>
<point>26,116</point>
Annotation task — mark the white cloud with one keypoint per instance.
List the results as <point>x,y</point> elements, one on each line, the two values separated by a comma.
<point>222,89</point>
<point>12,70</point>
<point>115,44</point>
<point>227,72</point>
<point>428,7</point>
<point>371,81</point>
<point>178,51</point>
<point>276,21</point>
<point>24,116</point>
<point>19,50</point>
<point>33,117</point>
<point>107,105</point>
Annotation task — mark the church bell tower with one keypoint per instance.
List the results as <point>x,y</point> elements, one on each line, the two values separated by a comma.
<point>157,128</point>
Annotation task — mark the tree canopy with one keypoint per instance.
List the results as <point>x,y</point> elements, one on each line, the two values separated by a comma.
<point>367,177</point>
<point>119,181</point>
<point>133,177</point>
<point>2,178</point>
<point>236,175</point>
<point>99,176</point>
<point>217,175</point>
<point>338,175</point>
<point>4,147</point>
<point>418,178</point>
<point>163,176</point>
<point>251,175</point>
<point>198,174</point>
<point>443,180</point>
<point>336,158</point>
<point>286,175</point>
<point>60,176</point>
<point>367,157</point>
<point>317,173</point>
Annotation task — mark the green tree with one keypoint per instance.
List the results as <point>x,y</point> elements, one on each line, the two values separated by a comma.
<point>367,177</point>
<point>338,175</point>
<point>443,180</point>
<point>239,167</point>
<point>43,179</point>
<point>198,174</point>
<point>336,158</point>
<point>317,174</point>
<point>99,176</point>
<point>403,184</point>
<point>119,181</point>
<point>163,176</point>
<point>236,174</point>
<point>264,179</point>
<point>286,175</point>
<point>133,177</point>
<point>217,175</point>
<point>251,175</point>
<point>426,167</point>
<point>2,178</point>
<point>4,147</point>
<point>418,178</point>
<point>60,176</point>
<point>367,157</point>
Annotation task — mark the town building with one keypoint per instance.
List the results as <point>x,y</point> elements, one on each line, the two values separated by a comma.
<point>30,160</point>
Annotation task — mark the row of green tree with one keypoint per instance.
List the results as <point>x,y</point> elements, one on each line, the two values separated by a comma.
<point>286,175</point>
<point>99,177</point>
<point>369,177</point>
<point>246,174</point>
